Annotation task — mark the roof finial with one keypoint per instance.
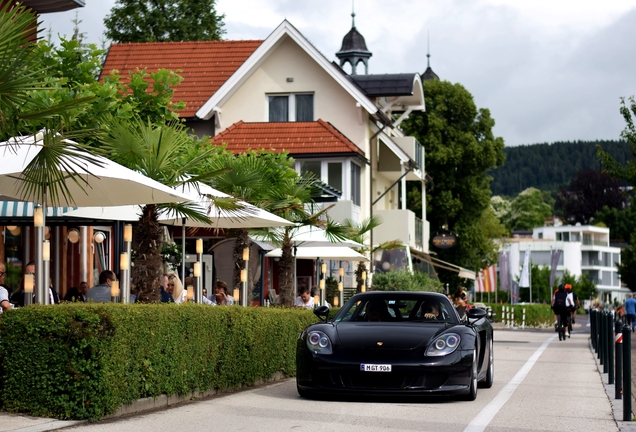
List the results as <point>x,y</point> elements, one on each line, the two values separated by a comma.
<point>353,15</point>
<point>428,48</point>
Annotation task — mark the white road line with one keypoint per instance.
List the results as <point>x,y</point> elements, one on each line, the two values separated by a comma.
<point>481,420</point>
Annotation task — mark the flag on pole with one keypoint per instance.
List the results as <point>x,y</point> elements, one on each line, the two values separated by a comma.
<point>490,279</point>
<point>504,270</point>
<point>524,281</point>
<point>479,283</point>
<point>555,257</point>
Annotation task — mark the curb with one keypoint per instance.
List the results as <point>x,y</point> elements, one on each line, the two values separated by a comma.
<point>610,391</point>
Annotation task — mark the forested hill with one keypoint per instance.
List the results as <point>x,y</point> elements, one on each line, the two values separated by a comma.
<point>549,166</point>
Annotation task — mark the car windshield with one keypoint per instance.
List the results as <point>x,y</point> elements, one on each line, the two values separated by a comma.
<point>397,307</point>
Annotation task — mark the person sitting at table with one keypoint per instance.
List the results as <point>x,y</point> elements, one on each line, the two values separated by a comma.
<point>304,299</point>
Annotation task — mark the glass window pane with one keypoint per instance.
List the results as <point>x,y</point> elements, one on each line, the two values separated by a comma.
<point>355,184</point>
<point>312,167</point>
<point>278,108</point>
<point>305,108</point>
<point>334,175</point>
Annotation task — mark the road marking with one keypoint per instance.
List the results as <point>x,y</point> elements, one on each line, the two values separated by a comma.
<point>481,420</point>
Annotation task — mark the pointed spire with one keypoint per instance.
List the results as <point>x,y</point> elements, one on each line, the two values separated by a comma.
<point>353,15</point>
<point>428,73</point>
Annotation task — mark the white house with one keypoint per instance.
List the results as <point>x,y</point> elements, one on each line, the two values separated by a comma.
<point>586,250</point>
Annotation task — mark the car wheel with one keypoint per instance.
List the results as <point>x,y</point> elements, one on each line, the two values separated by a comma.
<point>472,389</point>
<point>304,393</point>
<point>490,374</point>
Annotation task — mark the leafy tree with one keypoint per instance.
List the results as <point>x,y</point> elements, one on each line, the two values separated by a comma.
<point>402,280</point>
<point>500,206</point>
<point>164,20</point>
<point>358,231</point>
<point>627,267</point>
<point>588,192</point>
<point>621,222</point>
<point>460,149</point>
<point>528,210</point>
<point>613,167</point>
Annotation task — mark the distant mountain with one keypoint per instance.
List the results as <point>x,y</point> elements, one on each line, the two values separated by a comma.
<point>550,166</point>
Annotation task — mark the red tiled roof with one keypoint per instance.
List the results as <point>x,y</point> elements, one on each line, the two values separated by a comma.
<point>293,137</point>
<point>204,65</point>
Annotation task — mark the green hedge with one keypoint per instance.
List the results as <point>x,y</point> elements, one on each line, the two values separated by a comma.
<point>83,361</point>
<point>537,315</point>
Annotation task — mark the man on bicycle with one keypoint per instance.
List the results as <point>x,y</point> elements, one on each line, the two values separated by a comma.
<point>561,302</point>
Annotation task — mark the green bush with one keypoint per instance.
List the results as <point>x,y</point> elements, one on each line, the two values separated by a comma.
<point>84,361</point>
<point>537,315</point>
<point>402,280</point>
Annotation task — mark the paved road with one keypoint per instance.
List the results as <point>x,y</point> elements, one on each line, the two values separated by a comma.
<point>541,384</point>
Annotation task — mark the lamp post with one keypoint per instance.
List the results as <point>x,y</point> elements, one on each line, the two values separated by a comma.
<point>244,276</point>
<point>125,276</point>
<point>199,250</point>
<point>340,285</point>
<point>28,288</point>
<point>197,275</point>
<point>38,224</point>
<point>363,288</point>
<point>46,259</point>
<point>323,291</point>
<point>114,290</point>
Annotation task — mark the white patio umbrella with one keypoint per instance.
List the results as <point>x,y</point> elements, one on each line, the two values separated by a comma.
<point>336,253</point>
<point>248,217</point>
<point>104,183</point>
<point>89,180</point>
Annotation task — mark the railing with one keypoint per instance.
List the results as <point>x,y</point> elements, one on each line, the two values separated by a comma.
<point>587,242</point>
<point>419,232</point>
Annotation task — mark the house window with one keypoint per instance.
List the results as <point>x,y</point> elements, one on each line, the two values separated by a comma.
<point>292,107</point>
<point>355,183</point>
<point>311,167</point>
<point>334,175</point>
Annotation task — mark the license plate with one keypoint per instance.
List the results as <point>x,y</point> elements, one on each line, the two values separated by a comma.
<point>375,367</point>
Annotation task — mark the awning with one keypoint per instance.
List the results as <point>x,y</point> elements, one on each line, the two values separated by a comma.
<point>21,209</point>
<point>463,273</point>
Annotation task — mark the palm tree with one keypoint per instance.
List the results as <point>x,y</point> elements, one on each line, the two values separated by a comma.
<point>253,177</point>
<point>358,232</point>
<point>168,154</point>
<point>26,109</point>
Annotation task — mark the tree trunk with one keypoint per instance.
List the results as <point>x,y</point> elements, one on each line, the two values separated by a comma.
<point>286,266</point>
<point>362,267</point>
<point>242,241</point>
<point>146,244</point>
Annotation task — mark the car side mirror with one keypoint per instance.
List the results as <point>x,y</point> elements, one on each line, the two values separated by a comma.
<point>476,313</point>
<point>322,311</point>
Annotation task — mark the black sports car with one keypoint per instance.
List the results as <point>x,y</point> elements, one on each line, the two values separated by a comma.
<point>403,343</point>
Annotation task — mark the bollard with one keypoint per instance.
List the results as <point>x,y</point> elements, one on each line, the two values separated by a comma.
<point>610,350</point>
<point>523,321</point>
<point>627,373</point>
<point>512,318</point>
<point>593,329</point>
<point>601,341</point>
<point>618,344</point>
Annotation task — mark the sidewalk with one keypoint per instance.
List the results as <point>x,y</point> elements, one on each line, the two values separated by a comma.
<point>24,423</point>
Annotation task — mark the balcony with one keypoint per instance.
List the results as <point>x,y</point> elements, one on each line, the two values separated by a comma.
<point>402,225</point>
<point>588,242</point>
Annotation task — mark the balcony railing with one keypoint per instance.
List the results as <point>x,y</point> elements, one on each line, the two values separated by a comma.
<point>587,242</point>
<point>419,232</point>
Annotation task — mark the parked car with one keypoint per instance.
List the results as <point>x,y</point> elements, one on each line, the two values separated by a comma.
<point>402,343</point>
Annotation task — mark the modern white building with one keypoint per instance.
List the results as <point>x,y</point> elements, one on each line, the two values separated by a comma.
<point>586,250</point>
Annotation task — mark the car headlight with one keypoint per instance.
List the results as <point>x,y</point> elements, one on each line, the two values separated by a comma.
<point>444,345</point>
<point>319,342</point>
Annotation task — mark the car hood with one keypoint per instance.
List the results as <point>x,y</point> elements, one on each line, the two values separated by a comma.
<point>391,336</point>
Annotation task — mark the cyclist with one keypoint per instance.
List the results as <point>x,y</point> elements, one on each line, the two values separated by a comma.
<point>575,303</point>
<point>560,303</point>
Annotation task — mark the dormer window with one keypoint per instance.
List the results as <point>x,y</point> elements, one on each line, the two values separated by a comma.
<point>294,107</point>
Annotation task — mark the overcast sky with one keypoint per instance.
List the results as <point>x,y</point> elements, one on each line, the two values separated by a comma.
<point>548,70</point>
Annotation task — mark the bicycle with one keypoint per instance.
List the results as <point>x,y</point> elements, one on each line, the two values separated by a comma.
<point>563,324</point>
